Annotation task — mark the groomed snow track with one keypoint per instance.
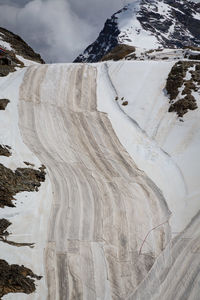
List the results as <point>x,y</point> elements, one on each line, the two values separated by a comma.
<point>103,205</point>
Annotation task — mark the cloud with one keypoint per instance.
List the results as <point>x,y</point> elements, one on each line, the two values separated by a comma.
<point>96,11</point>
<point>58,29</point>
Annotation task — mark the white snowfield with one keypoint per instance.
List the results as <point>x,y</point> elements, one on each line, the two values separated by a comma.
<point>99,220</point>
<point>165,148</point>
<point>131,31</point>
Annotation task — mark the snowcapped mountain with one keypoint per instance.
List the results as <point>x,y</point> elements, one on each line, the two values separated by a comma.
<point>148,24</point>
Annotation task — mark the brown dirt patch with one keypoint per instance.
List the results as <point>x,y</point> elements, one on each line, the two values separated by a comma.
<point>119,52</point>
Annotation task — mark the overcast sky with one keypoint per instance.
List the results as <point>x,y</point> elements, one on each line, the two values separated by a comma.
<point>58,29</point>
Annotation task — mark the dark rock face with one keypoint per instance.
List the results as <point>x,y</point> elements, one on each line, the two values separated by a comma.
<point>176,80</point>
<point>175,28</point>
<point>107,40</point>
<point>22,179</point>
<point>4,224</point>
<point>16,279</point>
<point>5,150</point>
<point>5,70</point>
<point>19,46</point>
<point>3,103</point>
<point>186,29</point>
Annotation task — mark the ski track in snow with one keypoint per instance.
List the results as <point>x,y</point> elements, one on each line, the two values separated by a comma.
<point>103,205</point>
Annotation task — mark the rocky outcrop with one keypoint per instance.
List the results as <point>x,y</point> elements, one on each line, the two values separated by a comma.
<point>5,150</point>
<point>4,224</point>
<point>182,82</point>
<point>22,179</point>
<point>172,22</point>
<point>119,52</point>
<point>106,41</point>
<point>19,46</point>
<point>16,279</point>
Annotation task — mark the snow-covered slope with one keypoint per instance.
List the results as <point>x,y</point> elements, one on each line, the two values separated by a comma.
<point>118,210</point>
<point>122,181</point>
<point>29,217</point>
<point>166,148</point>
<point>148,24</point>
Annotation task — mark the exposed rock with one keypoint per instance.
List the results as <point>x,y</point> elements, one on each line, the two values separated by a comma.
<point>119,52</point>
<point>182,106</point>
<point>4,224</point>
<point>176,80</point>
<point>16,279</point>
<point>19,46</point>
<point>5,150</point>
<point>23,179</point>
<point>5,70</point>
<point>3,102</point>
<point>168,23</point>
<point>194,57</point>
<point>28,164</point>
<point>107,40</point>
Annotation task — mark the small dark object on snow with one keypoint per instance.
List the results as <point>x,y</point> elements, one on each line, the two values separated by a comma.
<point>116,98</point>
<point>125,103</point>
<point>3,103</point>
<point>28,164</point>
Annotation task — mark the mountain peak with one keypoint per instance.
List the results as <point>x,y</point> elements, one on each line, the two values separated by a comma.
<point>148,24</point>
